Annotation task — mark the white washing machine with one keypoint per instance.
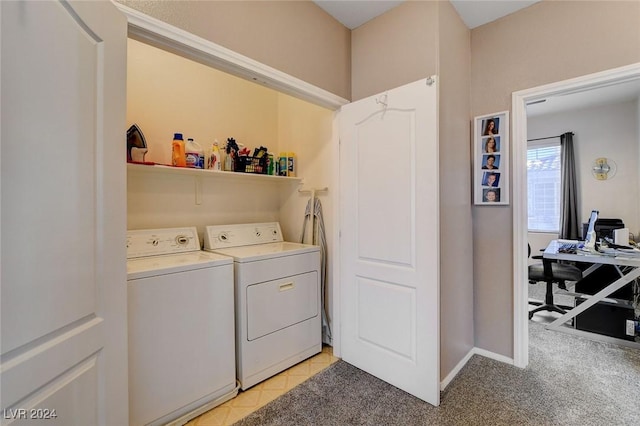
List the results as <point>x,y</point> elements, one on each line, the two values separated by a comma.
<point>181,327</point>
<point>277,288</point>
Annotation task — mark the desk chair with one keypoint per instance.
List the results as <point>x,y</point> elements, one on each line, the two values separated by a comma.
<point>551,272</point>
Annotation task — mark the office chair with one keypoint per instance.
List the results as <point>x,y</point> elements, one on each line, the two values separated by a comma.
<point>551,272</point>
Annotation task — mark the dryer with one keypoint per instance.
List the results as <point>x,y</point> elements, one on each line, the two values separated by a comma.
<point>277,296</point>
<point>181,327</point>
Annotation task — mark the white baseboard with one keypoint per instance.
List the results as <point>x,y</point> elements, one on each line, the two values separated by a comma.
<point>493,355</point>
<point>463,362</point>
<point>456,370</point>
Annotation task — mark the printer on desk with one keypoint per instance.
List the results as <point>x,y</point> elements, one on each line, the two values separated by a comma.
<point>604,228</point>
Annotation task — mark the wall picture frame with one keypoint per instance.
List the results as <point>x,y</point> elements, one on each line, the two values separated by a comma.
<point>491,159</point>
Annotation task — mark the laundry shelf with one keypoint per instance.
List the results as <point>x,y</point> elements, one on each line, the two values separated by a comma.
<point>215,174</point>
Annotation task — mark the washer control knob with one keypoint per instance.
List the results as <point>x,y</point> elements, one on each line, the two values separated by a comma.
<point>258,234</point>
<point>182,240</point>
<point>223,236</point>
<point>155,242</point>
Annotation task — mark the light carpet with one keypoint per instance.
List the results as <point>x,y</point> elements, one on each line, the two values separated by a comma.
<point>570,380</point>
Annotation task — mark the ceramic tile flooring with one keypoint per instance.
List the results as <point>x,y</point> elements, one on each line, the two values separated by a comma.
<point>261,394</point>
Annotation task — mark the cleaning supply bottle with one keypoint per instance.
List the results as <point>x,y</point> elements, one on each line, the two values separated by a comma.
<point>194,154</point>
<point>214,157</point>
<point>283,169</point>
<point>271,167</point>
<point>223,157</point>
<point>178,158</point>
<point>291,164</point>
<point>201,164</point>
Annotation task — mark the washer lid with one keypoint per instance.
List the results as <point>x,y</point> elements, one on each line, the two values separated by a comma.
<point>144,267</point>
<point>266,251</point>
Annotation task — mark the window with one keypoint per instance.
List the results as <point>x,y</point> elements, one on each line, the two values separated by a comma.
<point>543,187</point>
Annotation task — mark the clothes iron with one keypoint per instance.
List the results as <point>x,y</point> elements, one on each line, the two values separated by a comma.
<point>136,145</point>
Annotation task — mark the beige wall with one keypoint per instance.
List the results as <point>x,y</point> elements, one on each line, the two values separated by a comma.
<point>547,42</point>
<point>295,37</point>
<point>410,42</point>
<point>167,93</point>
<point>395,48</point>
<point>306,129</point>
<point>456,254</point>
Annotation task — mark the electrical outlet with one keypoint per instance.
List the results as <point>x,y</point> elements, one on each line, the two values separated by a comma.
<point>631,327</point>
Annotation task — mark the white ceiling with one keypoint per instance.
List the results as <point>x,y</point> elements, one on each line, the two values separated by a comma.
<point>353,13</point>
<point>479,12</point>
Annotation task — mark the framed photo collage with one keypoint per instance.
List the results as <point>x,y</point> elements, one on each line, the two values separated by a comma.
<point>491,159</point>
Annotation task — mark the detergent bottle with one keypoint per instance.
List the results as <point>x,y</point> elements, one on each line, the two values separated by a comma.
<point>194,154</point>
<point>214,157</point>
<point>178,157</point>
<point>223,157</point>
<point>283,168</point>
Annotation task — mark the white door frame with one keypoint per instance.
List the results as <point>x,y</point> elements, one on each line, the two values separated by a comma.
<point>519,116</point>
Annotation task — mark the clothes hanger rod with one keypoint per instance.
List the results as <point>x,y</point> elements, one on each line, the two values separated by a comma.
<point>313,189</point>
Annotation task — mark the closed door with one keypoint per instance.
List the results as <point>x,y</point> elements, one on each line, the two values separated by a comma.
<point>63,332</point>
<point>389,237</point>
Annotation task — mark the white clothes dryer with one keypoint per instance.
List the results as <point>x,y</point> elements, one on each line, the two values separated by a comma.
<point>277,289</point>
<point>181,327</point>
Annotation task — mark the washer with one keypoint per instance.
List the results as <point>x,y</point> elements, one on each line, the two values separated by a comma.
<point>181,327</point>
<point>277,289</point>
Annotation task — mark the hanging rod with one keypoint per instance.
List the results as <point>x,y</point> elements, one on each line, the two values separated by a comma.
<point>313,189</point>
<point>548,137</point>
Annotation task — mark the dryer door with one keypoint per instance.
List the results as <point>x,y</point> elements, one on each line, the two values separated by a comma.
<point>278,304</point>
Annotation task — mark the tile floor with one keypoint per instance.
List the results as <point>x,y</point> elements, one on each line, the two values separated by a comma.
<point>261,394</point>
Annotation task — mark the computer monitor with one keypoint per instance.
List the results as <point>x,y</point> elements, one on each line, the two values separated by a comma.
<point>590,239</point>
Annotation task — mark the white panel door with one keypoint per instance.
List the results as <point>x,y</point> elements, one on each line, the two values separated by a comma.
<point>389,238</point>
<point>63,213</point>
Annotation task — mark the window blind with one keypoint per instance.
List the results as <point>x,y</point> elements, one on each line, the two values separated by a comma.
<point>543,186</point>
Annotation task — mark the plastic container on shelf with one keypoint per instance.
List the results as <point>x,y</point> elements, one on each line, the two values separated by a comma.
<point>213,162</point>
<point>178,157</point>
<point>271,166</point>
<point>291,164</point>
<point>194,154</point>
<point>223,157</point>
<point>283,168</point>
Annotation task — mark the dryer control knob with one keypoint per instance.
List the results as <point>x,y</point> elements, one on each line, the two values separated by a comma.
<point>223,236</point>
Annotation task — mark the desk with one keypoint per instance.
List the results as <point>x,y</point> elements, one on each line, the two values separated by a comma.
<point>597,260</point>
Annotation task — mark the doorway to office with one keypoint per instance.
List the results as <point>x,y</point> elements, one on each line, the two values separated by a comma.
<point>520,100</point>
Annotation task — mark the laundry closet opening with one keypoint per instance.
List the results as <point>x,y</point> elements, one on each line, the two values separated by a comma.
<point>168,93</point>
